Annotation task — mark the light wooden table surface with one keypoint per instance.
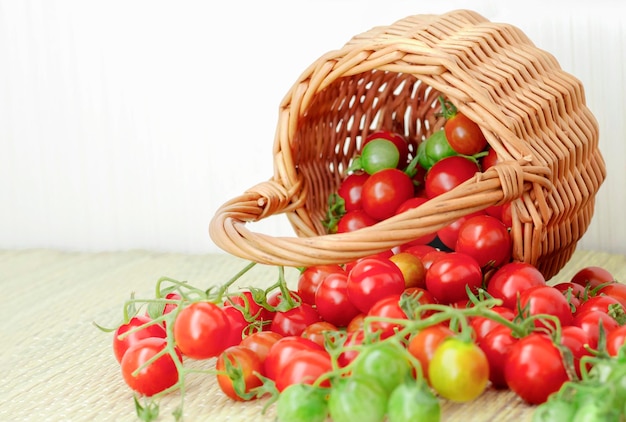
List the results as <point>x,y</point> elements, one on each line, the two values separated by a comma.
<point>56,366</point>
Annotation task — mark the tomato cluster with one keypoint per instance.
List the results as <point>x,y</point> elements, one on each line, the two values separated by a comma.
<point>389,176</point>
<point>390,335</point>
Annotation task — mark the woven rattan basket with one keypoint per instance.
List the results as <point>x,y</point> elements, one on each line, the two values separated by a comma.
<point>532,113</point>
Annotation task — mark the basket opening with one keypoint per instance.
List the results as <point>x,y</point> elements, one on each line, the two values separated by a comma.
<point>339,118</point>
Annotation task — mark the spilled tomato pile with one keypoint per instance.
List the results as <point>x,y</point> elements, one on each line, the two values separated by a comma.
<point>393,335</point>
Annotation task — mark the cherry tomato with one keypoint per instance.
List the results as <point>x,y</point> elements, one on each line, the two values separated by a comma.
<point>260,342</point>
<point>449,235</point>
<point>482,325</point>
<point>434,148</point>
<point>573,292</point>
<point>449,276</point>
<point>302,403</point>
<point>418,250</point>
<point>420,296</point>
<point>311,277</point>
<point>464,135</point>
<point>354,220</point>
<point>486,239</point>
<point>332,301</point>
<point>384,363</point>
<point>510,280</point>
<point>424,343</point>
<point>602,303</point>
<point>386,308</point>
<point>120,345</point>
<point>385,191</point>
<point>413,401</point>
<point>430,257</point>
<point>202,330</point>
<point>372,279</point>
<point>459,370</point>
<point>614,290</point>
<point>353,339</point>
<point>545,300</point>
<point>592,276</point>
<point>412,268</point>
<point>238,325</point>
<point>496,345</point>
<point>282,352</point>
<point>534,368</point>
<point>305,367</point>
<point>318,330</point>
<point>576,340</point>
<point>615,339</point>
<point>489,160</point>
<point>155,377</point>
<point>398,140</point>
<point>356,399</point>
<point>236,365</point>
<point>350,190</point>
<point>590,322</point>
<point>294,321</point>
<point>448,173</point>
<point>245,300</point>
<point>379,154</point>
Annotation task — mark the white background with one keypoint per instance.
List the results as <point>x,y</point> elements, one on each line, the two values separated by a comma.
<point>125,124</point>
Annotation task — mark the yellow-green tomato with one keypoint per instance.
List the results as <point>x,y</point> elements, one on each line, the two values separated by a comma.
<point>459,370</point>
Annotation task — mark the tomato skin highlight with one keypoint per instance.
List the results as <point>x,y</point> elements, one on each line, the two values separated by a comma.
<point>154,378</point>
<point>201,330</point>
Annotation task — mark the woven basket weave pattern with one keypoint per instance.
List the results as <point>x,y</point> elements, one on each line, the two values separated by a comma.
<point>532,113</point>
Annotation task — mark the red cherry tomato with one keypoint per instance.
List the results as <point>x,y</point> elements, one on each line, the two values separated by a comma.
<point>332,301</point>
<point>486,239</point>
<point>482,325</point>
<point>260,342</point>
<point>350,190</point>
<point>202,330</point>
<point>155,377</point>
<point>424,343</point>
<point>305,367</point>
<point>311,277</point>
<point>545,300</point>
<point>372,279</point>
<point>354,220</point>
<point>496,344</point>
<point>534,368</point>
<point>449,235</point>
<point>592,276</point>
<point>448,173</point>
<point>120,345</point>
<point>384,191</point>
<point>449,277</point>
<point>318,330</point>
<point>615,339</point>
<point>282,351</point>
<point>294,321</point>
<point>245,366</point>
<point>590,322</point>
<point>386,308</point>
<point>510,280</point>
<point>464,135</point>
<point>614,290</point>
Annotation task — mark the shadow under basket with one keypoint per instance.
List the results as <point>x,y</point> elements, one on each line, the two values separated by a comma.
<point>532,113</point>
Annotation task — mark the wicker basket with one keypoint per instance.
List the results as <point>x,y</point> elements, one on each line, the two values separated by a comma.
<point>532,113</point>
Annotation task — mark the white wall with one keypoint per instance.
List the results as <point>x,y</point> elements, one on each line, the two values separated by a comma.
<point>125,124</point>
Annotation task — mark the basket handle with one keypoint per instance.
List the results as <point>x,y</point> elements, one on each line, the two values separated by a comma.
<point>506,181</point>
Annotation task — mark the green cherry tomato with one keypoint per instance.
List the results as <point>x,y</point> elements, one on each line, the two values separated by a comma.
<point>554,410</point>
<point>595,411</point>
<point>302,403</point>
<point>386,363</point>
<point>459,370</point>
<point>413,401</point>
<point>379,154</point>
<point>434,148</point>
<point>356,398</point>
